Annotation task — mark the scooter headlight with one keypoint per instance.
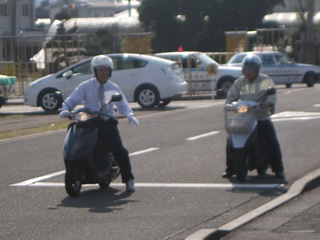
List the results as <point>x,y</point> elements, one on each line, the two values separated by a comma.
<point>83,116</point>
<point>243,108</point>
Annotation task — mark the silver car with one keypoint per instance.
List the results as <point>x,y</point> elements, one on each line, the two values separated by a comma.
<point>281,68</point>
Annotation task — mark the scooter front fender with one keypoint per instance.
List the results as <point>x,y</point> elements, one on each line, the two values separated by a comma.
<point>240,140</point>
<point>79,142</point>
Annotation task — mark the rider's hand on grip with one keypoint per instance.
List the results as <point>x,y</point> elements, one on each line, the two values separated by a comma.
<point>265,105</point>
<point>64,114</point>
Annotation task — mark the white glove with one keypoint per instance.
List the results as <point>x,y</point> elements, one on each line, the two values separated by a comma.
<point>133,119</point>
<point>64,114</point>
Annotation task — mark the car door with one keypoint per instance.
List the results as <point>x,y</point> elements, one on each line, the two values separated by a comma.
<point>75,75</point>
<point>127,73</point>
<point>289,72</point>
<point>270,67</point>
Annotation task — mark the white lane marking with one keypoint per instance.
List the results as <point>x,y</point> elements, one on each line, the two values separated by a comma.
<point>143,151</point>
<point>294,115</point>
<point>34,180</point>
<point>293,118</point>
<point>173,185</point>
<point>56,174</point>
<point>202,135</point>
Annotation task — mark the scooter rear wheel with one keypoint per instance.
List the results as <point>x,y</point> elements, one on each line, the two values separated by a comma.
<point>241,164</point>
<point>72,184</point>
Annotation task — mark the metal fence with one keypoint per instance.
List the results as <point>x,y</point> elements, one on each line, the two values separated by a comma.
<point>31,57</point>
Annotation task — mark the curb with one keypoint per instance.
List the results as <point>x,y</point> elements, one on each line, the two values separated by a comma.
<point>300,186</point>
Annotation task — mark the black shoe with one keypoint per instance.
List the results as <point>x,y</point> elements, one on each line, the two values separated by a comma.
<point>279,175</point>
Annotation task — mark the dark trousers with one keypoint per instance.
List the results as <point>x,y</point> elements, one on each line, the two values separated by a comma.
<point>267,132</point>
<point>109,134</point>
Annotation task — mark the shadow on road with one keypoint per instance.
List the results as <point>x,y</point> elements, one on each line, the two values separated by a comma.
<point>98,200</point>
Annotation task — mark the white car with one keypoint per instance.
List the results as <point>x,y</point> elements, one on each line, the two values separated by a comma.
<point>195,70</point>
<point>281,68</point>
<point>148,80</point>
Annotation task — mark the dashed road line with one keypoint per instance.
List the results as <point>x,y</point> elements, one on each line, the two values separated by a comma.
<point>202,135</point>
<point>143,151</point>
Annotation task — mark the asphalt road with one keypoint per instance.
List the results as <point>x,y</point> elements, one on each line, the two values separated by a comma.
<point>177,157</point>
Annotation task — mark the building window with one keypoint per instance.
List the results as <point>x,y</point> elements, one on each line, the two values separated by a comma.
<point>25,10</point>
<point>3,9</point>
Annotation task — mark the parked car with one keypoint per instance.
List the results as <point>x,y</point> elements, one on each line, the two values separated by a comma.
<point>7,88</point>
<point>148,80</point>
<point>195,71</point>
<point>281,68</point>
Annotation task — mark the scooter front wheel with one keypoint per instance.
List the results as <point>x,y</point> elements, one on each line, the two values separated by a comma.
<point>241,164</point>
<point>105,183</point>
<point>72,184</point>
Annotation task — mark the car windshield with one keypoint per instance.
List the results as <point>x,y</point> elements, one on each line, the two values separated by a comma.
<point>237,58</point>
<point>204,59</point>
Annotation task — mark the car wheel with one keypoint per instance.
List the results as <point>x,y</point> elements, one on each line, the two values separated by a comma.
<point>164,103</point>
<point>226,85</point>
<point>288,85</point>
<point>48,102</point>
<point>147,96</point>
<point>310,79</point>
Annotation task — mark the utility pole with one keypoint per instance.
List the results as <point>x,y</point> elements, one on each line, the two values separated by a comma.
<point>129,7</point>
<point>311,57</point>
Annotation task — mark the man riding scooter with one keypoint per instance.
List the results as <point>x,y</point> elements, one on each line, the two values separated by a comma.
<point>251,86</point>
<point>91,93</point>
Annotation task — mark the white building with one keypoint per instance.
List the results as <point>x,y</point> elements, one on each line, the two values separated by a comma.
<point>16,16</point>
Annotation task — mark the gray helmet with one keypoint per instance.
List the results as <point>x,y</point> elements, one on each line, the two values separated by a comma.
<point>101,61</point>
<point>252,60</point>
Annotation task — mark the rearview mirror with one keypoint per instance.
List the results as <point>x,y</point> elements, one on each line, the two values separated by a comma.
<point>58,96</point>
<point>116,97</point>
<point>68,74</point>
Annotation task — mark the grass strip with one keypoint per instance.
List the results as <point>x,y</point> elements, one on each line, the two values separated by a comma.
<point>33,130</point>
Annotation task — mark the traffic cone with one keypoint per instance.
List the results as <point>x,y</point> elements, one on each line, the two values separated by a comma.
<point>180,49</point>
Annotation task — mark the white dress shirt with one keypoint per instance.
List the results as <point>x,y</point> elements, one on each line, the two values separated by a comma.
<point>87,93</point>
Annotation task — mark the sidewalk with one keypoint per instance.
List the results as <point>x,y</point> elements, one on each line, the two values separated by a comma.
<point>292,216</point>
<point>296,220</point>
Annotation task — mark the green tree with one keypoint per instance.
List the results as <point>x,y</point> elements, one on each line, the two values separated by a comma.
<point>160,17</point>
<point>204,22</point>
<point>62,16</point>
<point>102,42</point>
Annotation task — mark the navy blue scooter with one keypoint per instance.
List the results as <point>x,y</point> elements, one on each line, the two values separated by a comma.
<point>86,159</point>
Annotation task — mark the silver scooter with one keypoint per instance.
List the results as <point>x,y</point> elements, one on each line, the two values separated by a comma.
<point>245,150</point>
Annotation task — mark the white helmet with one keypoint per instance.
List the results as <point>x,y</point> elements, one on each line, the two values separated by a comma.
<point>101,61</point>
<point>252,60</point>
